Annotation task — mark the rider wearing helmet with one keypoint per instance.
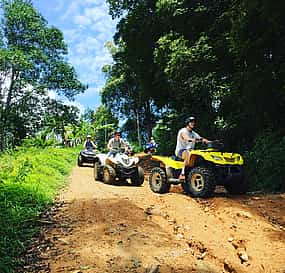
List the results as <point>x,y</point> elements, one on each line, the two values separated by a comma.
<point>115,143</point>
<point>186,139</point>
<point>89,144</point>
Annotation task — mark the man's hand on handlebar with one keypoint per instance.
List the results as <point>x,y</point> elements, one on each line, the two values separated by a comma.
<point>196,140</point>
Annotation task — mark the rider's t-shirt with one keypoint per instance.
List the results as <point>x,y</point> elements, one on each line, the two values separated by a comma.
<point>184,144</point>
<point>115,144</point>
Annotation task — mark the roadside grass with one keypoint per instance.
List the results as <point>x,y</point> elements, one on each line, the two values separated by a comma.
<point>29,181</point>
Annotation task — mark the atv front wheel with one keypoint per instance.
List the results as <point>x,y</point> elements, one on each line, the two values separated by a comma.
<point>97,172</point>
<point>158,181</point>
<point>138,178</point>
<point>200,182</point>
<point>80,161</point>
<point>109,174</point>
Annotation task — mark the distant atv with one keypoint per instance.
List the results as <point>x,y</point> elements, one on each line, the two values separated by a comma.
<point>118,168</point>
<point>150,148</point>
<point>86,156</point>
<point>208,168</point>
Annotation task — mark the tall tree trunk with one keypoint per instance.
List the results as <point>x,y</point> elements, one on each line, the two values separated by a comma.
<point>148,119</point>
<point>5,113</point>
<point>138,129</point>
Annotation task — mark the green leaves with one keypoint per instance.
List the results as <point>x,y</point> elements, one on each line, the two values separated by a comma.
<point>222,61</point>
<point>176,55</point>
<point>32,61</point>
<point>29,180</point>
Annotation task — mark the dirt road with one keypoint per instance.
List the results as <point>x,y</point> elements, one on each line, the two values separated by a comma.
<point>98,228</point>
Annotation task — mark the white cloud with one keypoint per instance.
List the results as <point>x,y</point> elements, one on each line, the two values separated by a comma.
<point>87,27</point>
<point>71,10</point>
<point>87,47</point>
<point>93,27</point>
<point>71,35</point>
<point>95,14</point>
<point>90,67</point>
<point>82,20</point>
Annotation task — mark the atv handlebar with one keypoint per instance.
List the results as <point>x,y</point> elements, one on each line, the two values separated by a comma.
<point>117,150</point>
<point>217,144</point>
<point>196,140</point>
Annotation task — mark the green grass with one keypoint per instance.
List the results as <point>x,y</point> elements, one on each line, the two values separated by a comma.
<point>29,181</point>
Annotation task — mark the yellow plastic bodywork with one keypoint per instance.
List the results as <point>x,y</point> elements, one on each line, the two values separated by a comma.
<point>168,161</point>
<point>210,155</point>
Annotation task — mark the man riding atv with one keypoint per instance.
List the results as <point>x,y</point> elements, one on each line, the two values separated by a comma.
<point>198,171</point>
<point>118,165</point>
<point>89,144</point>
<point>186,140</point>
<point>115,144</point>
<point>87,155</point>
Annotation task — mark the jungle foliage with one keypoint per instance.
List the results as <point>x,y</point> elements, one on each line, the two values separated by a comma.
<point>223,61</point>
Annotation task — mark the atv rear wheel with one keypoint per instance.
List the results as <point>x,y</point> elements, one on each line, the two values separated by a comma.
<point>200,182</point>
<point>158,181</point>
<point>109,174</point>
<point>138,178</point>
<point>97,172</point>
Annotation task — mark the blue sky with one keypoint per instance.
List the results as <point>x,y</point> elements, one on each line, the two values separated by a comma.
<point>86,26</point>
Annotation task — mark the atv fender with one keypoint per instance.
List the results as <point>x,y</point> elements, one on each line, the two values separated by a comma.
<point>165,161</point>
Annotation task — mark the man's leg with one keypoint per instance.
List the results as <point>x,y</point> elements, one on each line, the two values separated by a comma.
<point>185,157</point>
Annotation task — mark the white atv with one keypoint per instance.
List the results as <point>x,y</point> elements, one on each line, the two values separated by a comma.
<point>118,167</point>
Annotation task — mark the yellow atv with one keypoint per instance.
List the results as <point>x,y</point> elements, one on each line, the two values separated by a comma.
<point>208,167</point>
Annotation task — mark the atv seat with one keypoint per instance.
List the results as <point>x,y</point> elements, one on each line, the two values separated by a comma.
<point>176,158</point>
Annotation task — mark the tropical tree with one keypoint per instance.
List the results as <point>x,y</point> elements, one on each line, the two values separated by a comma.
<point>32,61</point>
<point>124,95</point>
<point>104,123</point>
<point>58,117</point>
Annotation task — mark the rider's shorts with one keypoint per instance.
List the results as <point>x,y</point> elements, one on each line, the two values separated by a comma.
<point>181,152</point>
<point>111,153</point>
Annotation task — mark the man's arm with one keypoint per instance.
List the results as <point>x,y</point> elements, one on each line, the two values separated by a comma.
<point>200,138</point>
<point>185,137</point>
<point>204,140</point>
<point>197,138</point>
<point>109,145</point>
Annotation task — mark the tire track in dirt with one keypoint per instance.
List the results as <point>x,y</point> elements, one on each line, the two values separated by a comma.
<point>107,228</point>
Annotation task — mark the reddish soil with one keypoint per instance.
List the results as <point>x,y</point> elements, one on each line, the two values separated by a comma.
<point>98,228</point>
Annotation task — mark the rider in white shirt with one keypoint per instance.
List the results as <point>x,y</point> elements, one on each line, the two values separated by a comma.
<point>115,144</point>
<point>186,139</point>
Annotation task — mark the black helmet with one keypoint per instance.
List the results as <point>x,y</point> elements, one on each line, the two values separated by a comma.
<point>117,133</point>
<point>189,119</point>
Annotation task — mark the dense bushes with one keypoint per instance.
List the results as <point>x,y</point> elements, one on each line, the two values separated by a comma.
<point>29,179</point>
<point>265,163</point>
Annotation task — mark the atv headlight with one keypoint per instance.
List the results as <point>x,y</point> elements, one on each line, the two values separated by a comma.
<point>216,157</point>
